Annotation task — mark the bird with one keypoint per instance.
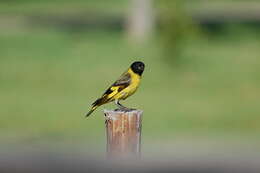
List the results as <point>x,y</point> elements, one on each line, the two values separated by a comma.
<point>122,88</point>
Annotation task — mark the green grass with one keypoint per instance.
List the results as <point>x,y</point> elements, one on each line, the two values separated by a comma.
<point>49,78</point>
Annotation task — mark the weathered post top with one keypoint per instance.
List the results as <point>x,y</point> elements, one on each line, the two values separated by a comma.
<point>123,131</point>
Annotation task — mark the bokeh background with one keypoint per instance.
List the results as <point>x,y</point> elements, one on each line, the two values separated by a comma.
<point>200,90</point>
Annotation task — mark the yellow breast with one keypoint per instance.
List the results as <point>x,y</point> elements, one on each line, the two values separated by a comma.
<point>128,91</point>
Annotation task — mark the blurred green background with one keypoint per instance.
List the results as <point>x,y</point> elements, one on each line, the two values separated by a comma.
<point>57,56</point>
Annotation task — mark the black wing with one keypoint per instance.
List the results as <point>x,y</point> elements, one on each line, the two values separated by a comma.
<point>120,84</point>
<point>123,82</point>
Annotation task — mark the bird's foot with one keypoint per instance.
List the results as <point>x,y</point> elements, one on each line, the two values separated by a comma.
<point>122,108</point>
<point>125,109</point>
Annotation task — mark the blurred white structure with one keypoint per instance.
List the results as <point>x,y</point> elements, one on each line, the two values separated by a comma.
<point>140,22</point>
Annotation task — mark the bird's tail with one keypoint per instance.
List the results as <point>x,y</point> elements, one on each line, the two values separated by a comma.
<point>96,104</point>
<point>91,110</point>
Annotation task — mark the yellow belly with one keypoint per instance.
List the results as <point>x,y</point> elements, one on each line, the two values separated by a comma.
<point>128,91</point>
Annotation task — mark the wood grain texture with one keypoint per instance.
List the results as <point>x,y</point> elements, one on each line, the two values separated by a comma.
<point>123,131</point>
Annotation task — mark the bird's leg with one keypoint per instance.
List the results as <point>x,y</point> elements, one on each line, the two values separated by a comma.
<point>121,107</point>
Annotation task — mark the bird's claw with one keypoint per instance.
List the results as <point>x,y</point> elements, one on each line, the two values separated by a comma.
<point>125,109</point>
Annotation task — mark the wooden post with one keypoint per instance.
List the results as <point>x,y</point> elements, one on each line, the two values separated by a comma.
<point>123,131</point>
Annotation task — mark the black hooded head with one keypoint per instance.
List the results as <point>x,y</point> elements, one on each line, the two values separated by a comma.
<point>138,67</point>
